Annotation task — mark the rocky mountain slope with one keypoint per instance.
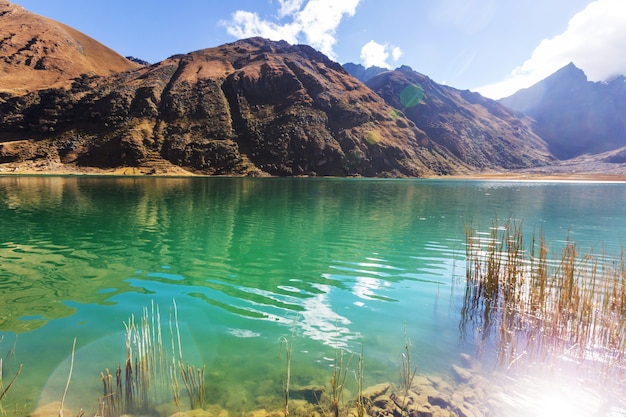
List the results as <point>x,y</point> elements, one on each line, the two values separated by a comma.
<point>477,130</point>
<point>252,107</point>
<point>37,52</point>
<point>577,117</point>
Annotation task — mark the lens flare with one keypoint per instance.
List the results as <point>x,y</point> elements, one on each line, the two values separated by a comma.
<point>411,95</point>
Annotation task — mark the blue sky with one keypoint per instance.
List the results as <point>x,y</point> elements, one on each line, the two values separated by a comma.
<point>494,47</point>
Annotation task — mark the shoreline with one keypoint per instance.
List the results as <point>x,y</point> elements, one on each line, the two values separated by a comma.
<point>55,168</point>
<point>509,176</point>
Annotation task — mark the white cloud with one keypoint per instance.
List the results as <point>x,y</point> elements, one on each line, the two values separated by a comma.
<point>396,53</point>
<point>314,22</point>
<point>376,54</point>
<point>595,41</point>
<point>247,24</point>
<point>289,7</point>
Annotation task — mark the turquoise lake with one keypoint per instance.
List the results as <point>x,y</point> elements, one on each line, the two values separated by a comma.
<point>350,264</point>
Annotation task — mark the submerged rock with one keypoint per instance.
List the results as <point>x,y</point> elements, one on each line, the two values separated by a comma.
<point>461,374</point>
<point>376,390</point>
<point>460,393</point>
<point>310,393</point>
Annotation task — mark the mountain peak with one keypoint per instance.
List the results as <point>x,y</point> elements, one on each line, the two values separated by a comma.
<point>361,73</point>
<point>565,79</point>
<point>575,116</point>
<point>570,72</point>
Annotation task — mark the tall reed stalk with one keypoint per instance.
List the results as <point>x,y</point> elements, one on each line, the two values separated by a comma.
<point>539,309</point>
<point>408,372</point>
<point>69,379</point>
<point>359,375</point>
<point>4,390</point>
<point>338,381</point>
<point>287,344</point>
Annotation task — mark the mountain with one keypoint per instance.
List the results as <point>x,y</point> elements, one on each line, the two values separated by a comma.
<point>138,61</point>
<point>252,107</point>
<point>37,52</point>
<point>258,107</point>
<point>576,117</point>
<point>479,131</point>
<point>361,73</point>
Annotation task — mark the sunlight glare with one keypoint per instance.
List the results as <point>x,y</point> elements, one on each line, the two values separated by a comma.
<point>555,403</point>
<point>558,396</point>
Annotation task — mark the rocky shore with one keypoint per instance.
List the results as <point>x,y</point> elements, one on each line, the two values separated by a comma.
<point>464,391</point>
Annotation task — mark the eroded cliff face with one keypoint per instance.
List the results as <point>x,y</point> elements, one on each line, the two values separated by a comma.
<point>253,107</point>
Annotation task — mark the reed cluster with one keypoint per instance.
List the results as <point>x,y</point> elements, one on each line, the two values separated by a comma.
<point>358,376</point>
<point>338,381</point>
<point>151,373</point>
<point>408,372</point>
<point>540,309</point>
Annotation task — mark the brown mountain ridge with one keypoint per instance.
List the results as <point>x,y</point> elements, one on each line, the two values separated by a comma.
<point>37,52</point>
<point>253,107</point>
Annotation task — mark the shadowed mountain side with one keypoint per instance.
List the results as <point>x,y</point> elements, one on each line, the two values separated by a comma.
<point>576,117</point>
<point>37,52</point>
<point>252,107</point>
<point>479,131</point>
<point>360,72</point>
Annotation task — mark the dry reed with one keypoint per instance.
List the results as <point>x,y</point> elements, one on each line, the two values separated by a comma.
<point>541,310</point>
<point>287,343</point>
<point>150,373</point>
<point>358,376</point>
<point>69,378</point>
<point>408,372</point>
<point>338,381</point>
<point>4,390</point>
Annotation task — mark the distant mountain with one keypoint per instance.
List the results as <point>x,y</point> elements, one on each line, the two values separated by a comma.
<point>575,116</point>
<point>479,131</point>
<point>361,73</point>
<point>37,52</point>
<point>138,61</point>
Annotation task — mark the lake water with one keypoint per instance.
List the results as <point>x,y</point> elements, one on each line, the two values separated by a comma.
<point>351,264</point>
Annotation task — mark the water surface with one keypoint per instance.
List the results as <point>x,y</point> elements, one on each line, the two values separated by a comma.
<point>353,264</point>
